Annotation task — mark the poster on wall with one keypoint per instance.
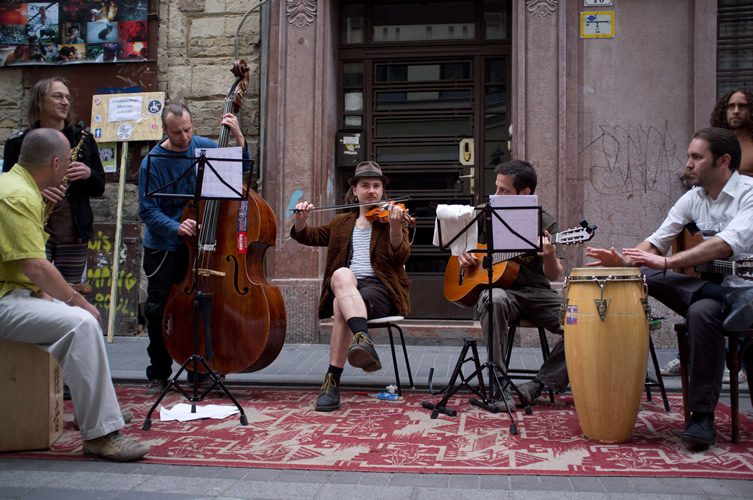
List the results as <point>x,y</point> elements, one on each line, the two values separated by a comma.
<point>73,31</point>
<point>127,117</point>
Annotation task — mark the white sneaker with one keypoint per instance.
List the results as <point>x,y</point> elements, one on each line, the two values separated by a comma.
<point>741,377</point>
<point>672,368</point>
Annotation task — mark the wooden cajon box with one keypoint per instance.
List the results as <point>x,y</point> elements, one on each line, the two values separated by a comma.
<point>31,397</point>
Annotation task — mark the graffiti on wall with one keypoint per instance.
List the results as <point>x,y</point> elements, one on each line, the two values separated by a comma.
<point>632,159</point>
<point>99,276</point>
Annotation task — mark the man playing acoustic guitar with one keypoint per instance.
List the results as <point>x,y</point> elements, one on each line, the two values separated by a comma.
<point>721,206</point>
<point>530,296</point>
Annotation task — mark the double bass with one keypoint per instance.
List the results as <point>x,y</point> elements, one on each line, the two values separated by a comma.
<point>245,313</point>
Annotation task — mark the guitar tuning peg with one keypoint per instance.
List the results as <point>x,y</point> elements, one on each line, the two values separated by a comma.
<point>584,223</point>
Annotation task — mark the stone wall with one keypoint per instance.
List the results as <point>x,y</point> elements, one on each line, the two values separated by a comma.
<point>11,103</point>
<point>196,55</point>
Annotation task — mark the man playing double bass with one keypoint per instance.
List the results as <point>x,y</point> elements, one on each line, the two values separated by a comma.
<point>165,254</point>
<point>364,278</point>
<point>721,205</point>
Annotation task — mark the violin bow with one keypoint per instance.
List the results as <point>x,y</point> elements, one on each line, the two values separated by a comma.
<point>399,199</point>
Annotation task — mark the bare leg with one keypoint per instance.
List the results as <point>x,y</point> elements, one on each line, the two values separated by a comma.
<point>348,303</point>
<point>350,318</point>
<point>345,288</point>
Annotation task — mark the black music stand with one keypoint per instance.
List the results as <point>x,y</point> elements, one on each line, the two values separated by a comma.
<point>202,303</point>
<point>497,376</point>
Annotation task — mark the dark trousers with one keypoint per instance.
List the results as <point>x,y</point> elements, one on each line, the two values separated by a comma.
<point>705,341</point>
<point>539,305</point>
<point>163,269</point>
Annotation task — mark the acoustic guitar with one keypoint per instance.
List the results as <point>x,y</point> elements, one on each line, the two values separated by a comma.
<point>692,236</point>
<point>463,286</point>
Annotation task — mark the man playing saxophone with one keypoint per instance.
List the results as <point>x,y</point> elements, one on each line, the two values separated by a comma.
<point>68,213</point>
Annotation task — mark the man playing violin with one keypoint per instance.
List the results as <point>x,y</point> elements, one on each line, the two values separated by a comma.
<point>530,296</point>
<point>364,276</point>
<point>721,205</point>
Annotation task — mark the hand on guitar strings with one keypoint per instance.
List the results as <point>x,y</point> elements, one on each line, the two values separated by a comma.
<point>468,260</point>
<point>547,246</point>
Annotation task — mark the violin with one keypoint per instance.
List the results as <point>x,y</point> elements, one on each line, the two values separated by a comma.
<point>382,214</point>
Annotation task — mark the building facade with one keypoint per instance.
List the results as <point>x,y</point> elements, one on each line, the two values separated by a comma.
<point>601,96</point>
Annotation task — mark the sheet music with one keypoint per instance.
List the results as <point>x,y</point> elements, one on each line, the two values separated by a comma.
<point>523,221</point>
<point>230,171</point>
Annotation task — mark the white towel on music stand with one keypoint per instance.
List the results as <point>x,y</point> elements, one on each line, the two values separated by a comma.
<point>453,219</point>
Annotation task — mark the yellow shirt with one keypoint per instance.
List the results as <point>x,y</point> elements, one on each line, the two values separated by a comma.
<point>22,233</point>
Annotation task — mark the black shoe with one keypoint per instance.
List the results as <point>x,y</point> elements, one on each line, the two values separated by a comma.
<point>156,385</point>
<point>740,306</point>
<point>66,392</point>
<point>329,398</point>
<point>361,353</point>
<point>530,392</point>
<point>700,433</point>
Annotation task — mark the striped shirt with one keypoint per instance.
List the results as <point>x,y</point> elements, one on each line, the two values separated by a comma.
<point>361,262</point>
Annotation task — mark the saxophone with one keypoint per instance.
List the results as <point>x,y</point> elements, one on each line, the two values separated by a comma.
<point>50,205</point>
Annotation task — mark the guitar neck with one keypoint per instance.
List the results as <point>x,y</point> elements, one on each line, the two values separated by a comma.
<point>503,256</point>
<point>723,267</point>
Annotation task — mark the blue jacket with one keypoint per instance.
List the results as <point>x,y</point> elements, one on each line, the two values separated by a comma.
<point>162,216</point>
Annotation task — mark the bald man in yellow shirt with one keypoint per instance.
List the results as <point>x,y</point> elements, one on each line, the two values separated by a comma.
<point>38,306</point>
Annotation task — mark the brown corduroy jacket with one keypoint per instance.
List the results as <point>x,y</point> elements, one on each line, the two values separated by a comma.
<point>388,264</point>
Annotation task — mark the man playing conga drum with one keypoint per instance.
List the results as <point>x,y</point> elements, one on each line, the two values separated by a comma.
<point>721,205</point>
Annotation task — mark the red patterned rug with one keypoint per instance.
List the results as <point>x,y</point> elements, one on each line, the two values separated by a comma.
<point>370,435</point>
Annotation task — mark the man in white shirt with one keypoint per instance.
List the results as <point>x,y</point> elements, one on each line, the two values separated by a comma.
<point>721,206</point>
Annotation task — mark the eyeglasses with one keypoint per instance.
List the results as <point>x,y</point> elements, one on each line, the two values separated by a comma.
<point>61,97</point>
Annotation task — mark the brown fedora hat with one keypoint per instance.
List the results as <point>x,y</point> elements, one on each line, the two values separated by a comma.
<point>368,169</point>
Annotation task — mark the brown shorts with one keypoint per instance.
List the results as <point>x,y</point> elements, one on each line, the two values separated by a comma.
<point>376,297</point>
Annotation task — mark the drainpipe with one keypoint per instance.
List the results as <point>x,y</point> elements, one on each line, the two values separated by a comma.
<point>264,25</point>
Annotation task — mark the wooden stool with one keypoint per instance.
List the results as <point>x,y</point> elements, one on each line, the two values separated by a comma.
<point>31,397</point>
<point>522,373</point>
<point>390,322</point>
<point>733,362</point>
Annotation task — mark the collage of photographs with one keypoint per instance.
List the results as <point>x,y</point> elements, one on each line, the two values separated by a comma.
<point>73,31</point>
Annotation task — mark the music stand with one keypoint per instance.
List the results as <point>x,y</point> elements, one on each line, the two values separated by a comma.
<point>497,376</point>
<point>202,303</point>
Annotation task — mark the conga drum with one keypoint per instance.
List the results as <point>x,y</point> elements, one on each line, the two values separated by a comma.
<point>606,347</point>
